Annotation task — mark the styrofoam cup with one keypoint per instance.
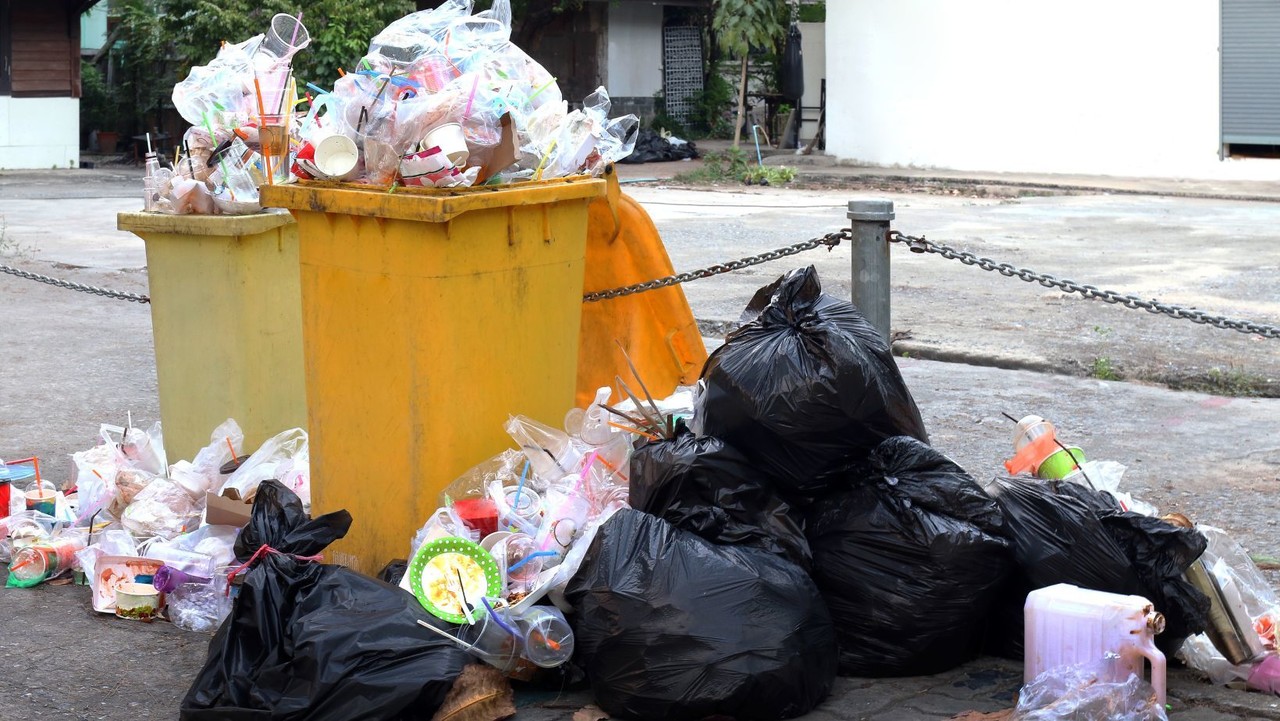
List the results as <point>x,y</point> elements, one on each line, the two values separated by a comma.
<point>451,140</point>
<point>336,155</point>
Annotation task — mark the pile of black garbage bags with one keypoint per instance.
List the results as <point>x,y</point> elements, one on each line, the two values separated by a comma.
<point>803,529</point>
<point>807,529</point>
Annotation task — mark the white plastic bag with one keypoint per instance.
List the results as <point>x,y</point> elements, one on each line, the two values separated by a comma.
<point>283,456</point>
<point>162,509</point>
<point>202,473</point>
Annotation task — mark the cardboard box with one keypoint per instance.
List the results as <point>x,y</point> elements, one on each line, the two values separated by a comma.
<point>222,511</point>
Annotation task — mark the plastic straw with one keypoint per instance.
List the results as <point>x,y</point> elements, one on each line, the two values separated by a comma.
<point>526,559</point>
<point>474,85</point>
<point>232,449</point>
<point>297,23</point>
<point>545,85</point>
<point>501,624</point>
<point>148,143</point>
<point>190,164</point>
<point>266,157</point>
<point>318,89</point>
<point>542,163</point>
<point>455,639</point>
<point>520,488</point>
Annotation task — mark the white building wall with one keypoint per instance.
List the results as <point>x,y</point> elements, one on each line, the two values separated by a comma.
<point>39,133</point>
<point>814,46</point>
<point>1092,86</point>
<point>635,50</point>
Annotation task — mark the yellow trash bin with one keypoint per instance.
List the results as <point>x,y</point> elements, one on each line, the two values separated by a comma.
<point>227,321</point>
<point>429,317</point>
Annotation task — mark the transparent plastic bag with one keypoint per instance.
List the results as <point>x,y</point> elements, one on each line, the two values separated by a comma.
<point>200,607</point>
<point>278,455</point>
<point>1230,563</point>
<point>224,85</point>
<point>113,542</point>
<point>203,472</point>
<point>162,509</point>
<point>1078,692</point>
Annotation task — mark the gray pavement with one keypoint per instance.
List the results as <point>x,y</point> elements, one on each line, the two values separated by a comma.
<point>74,360</point>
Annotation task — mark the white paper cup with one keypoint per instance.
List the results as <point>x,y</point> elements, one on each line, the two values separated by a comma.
<point>451,140</point>
<point>336,155</point>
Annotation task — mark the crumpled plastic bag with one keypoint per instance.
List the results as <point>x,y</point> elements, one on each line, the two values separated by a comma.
<point>162,509</point>
<point>705,487</point>
<point>1230,563</point>
<point>308,640</point>
<point>805,388</point>
<point>1074,693</point>
<point>910,561</point>
<point>671,626</point>
<point>284,457</point>
<point>112,542</point>
<point>203,472</point>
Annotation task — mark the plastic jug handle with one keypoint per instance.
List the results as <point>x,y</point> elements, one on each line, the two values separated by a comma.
<point>1156,657</point>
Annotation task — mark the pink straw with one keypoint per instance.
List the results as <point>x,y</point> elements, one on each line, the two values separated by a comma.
<point>297,23</point>
<point>474,84</point>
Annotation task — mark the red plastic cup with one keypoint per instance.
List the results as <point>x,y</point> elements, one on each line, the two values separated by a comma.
<point>4,499</point>
<point>479,514</point>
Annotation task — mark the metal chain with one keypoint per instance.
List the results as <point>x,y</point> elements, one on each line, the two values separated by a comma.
<point>918,244</point>
<point>830,240</point>
<point>104,292</point>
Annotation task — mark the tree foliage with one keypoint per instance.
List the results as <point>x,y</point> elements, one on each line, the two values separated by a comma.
<point>740,25</point>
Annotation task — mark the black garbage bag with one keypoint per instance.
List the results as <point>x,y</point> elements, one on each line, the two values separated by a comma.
<point>702,486</point>
<point>313,641</point>
<point>671,626</point>
<point>651,147</point>
<point>805,389</point>
<point>1066,533</point>
<point>909,561</point>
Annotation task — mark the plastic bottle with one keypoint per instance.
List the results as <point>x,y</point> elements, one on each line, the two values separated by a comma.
<point>150,182</point>
<point>1067,625</point>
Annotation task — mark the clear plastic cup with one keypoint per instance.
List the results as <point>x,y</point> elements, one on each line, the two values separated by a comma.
<point>286,36</point>
<point>548,640</point>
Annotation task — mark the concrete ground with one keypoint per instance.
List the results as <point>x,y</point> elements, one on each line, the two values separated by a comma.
<point>74,360</point>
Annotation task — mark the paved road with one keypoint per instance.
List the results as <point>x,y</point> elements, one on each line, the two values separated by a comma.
<point>73,361</point>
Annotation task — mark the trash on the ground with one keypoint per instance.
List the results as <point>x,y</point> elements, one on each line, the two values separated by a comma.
<point>910,560</point>
<point>308,639</point>
<point>672,626</point>
<point>1067,626</point>
<point>1067,533</point>
<point>442,99</point>
<point>703,486</point>
<point>653,147</point>
<point>1087,691</point>
<point>1240,637</point>
<point>805,388</point>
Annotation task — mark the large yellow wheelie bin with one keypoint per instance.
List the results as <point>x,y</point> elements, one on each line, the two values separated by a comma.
<point>429,317</point>
<point>227,322</point>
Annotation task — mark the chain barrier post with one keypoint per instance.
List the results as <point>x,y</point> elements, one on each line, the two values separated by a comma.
<point>870,223</point>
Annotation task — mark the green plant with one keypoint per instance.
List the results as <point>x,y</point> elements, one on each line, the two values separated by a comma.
<point>143,68</point>
<point>740,25</point>
<point>662,122</point>
<point>768,175</point>
<point>99,103</point>
<point>813,12</point>
<point>711,106</point>
<point>1103,370</point>
<point>1102,330</point>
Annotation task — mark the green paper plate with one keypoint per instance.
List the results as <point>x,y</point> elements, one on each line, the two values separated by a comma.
<point>434,580</point>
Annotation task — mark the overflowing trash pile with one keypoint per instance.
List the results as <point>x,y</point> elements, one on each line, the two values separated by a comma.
<point>442,99</point>
<point>727,551</point>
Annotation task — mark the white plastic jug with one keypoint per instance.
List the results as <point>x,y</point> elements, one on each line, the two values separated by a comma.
<point>1068,625</point>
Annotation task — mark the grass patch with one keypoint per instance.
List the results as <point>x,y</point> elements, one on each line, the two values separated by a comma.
<point>1103,370</point>
<point>731,166</point>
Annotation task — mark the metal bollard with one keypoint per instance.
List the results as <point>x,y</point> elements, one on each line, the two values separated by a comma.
<point>870,223</point>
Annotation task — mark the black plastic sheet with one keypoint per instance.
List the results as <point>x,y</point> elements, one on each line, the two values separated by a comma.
<point>312,641</point>
<point>671,626</point>
<point>702,486</point>
<point>806,388</point>
<point>909,561</point>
